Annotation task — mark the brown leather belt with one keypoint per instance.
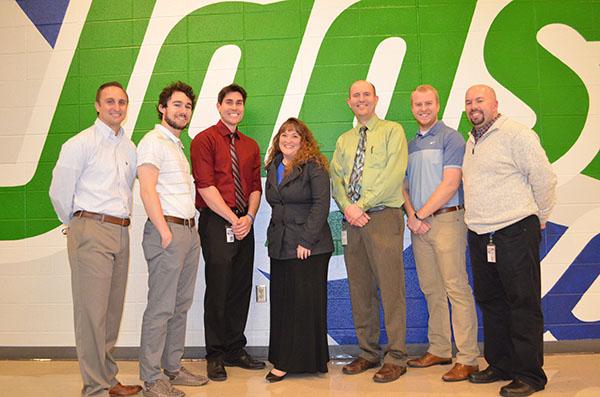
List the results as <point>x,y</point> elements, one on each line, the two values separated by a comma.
<point>103,218</point>
<point>448,209</point>
<point>180,221</point>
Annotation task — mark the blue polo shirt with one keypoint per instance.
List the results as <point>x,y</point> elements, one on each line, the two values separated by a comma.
<point>428,155</point>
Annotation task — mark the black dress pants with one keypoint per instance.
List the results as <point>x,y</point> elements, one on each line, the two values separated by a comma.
<point>228,275</point>
<point>508,293</point>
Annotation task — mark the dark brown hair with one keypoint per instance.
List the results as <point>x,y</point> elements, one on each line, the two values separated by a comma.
<point>109,84</point>
<point>168,91</point>
<point>231,88</point>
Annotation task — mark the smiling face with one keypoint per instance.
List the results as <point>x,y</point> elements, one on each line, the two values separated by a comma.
<point>231,110</point>
<point>481,105</point>
<point>425,108</point>
<point>177,113</point>
<point>362,100</point>
<point>290,142</point>
<point>112,107</point>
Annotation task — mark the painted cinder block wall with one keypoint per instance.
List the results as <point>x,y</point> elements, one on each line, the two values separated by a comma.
<point>296,58</point>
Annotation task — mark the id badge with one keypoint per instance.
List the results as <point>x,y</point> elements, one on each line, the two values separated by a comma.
<point>229,236</point>
<point>491,252</point>
<point>344,237</point>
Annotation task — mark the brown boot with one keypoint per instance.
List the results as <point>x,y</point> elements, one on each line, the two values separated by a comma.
<point>124,390</point>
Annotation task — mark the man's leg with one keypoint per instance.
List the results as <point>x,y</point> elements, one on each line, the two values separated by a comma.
<point>90,248</point>
<point>450,233</point>
<point>519,269</point>
<point>164,270</point>
<point>218,258</point>
<point>238,297</point>
<point>116,300</point>
<point>384,241</point>
<point>176,326</point>
<point>432,285</point>
<point>363,295</point>
<point>491,299</point>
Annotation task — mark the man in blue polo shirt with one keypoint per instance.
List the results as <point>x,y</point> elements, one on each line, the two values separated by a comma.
<point>434,205</point>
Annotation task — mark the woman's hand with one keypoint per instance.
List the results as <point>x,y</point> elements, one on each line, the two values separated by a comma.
<point>301,252</point>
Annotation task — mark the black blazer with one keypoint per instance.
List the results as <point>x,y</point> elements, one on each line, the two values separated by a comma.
<point>300,207</point>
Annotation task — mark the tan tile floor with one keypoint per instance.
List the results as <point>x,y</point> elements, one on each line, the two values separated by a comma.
<point>569,375</point>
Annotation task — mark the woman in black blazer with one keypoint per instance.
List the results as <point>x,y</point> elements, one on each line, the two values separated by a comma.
<point>300,245</point>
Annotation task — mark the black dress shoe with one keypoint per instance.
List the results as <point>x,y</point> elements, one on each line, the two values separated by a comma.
<point>518,388</point>
<point>216,370</point>
<point>272,378</point>
<point>488,375</point>
<point>245,361</point>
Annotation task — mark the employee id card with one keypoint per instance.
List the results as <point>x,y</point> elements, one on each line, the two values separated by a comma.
<point>229,236</point>
<point>491,249</point>
<point>344,237</point>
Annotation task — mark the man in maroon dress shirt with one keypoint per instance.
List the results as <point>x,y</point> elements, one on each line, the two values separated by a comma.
<point>226,169</point>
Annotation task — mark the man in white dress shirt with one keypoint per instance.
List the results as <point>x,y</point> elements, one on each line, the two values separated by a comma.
<point>171,245</point>
<point>91,192</point>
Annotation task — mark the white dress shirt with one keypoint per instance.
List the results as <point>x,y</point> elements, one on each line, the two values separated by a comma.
<point>164,150</point>
<point>95,172</point>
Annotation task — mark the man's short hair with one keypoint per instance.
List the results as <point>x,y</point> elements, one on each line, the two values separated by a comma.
<point>168,91</point>
<point>232,88</point>
<point>109,84</point>
<point>426,88</point>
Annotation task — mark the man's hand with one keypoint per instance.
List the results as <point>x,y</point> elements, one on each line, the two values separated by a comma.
<point>355,216</point>
<point>301,252</point>
<point>166,238</point>
<point>413,224</point>
<point>242,227</point>
<point>423,228</point>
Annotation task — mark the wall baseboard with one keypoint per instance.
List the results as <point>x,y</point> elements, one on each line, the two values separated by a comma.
<point>337,352</point>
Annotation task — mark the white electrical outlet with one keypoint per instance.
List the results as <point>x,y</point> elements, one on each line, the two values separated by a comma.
<point>261,293</point>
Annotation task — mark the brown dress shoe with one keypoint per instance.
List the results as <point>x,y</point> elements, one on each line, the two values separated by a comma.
<point>389,373</point>
<point>358,365</point>
<point>459,372</point>
<point>427,360</point>
<point>124,390</point>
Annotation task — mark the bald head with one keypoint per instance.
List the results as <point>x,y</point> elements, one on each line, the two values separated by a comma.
<point>481,104</point>
<point>362,99</point>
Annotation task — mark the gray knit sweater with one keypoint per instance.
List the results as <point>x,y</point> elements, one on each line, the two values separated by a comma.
<point>506,177</point>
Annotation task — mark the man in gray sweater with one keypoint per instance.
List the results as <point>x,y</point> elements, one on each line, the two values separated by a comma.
<point>509,190</point>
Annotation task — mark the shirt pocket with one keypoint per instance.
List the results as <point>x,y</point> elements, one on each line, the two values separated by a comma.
<point>376,157</point>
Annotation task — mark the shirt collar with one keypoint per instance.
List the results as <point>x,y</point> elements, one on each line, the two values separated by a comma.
<point>106,131</point>
<point>433,130</point>
<point>165,131</point>
<point>370,124</point>
<point>223,130</point>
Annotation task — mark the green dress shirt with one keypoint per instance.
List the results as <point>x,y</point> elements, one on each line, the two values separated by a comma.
<point>386,157</point>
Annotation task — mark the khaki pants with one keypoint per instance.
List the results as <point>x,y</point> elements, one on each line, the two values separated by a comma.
<point>99,259</point>
<point>440,261</point>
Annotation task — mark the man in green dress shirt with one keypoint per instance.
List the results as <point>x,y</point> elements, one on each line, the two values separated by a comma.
<point>367,173</point>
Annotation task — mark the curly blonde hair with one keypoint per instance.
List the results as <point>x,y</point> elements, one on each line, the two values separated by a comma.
<point>309,148</point>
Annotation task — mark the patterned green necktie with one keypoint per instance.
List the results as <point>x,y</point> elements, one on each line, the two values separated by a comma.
<point>354,186</point>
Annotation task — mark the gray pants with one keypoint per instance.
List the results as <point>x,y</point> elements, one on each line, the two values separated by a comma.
<point>99,259</point>
<point>440,261</point>
<point>171,281</point>
<point>374,260</point>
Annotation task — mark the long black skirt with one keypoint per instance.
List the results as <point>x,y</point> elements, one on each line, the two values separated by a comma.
<point>298,336</point>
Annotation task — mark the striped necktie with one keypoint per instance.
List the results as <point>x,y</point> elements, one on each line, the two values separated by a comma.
<point>354,186</point>
<point>240,203</point>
